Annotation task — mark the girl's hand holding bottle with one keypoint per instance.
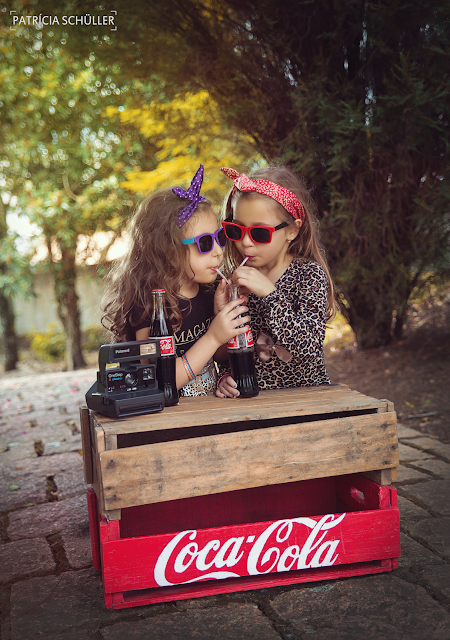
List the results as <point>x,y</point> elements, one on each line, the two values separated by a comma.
<point>243,381</point>
<point>227,388</point>
<point>220,297</point>
<point>229,322</point>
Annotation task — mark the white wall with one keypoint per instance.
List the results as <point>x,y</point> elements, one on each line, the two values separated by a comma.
<point>38,313</point>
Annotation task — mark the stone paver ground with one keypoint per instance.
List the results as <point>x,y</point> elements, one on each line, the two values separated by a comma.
<point>49,589</point>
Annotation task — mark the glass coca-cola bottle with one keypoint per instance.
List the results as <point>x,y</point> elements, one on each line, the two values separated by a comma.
<point>161,329</point>
<point>241,356</point>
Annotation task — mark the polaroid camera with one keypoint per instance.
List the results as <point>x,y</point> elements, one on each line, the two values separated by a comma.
<point>129,388</point>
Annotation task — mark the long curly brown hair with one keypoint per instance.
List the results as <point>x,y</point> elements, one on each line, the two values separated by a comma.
<point>156,259</point>
<point>306,246</point>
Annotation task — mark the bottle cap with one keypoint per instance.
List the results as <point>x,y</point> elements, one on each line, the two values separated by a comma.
<point>158,291</point>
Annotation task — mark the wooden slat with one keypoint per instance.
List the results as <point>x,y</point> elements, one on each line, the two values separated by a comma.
<point>110,442</point>
<point>231,585</point>
<point>86,444</point>
<point>114,514</point>
<point>97,434</point>
<point>98,446</point>
<point>267,405</point>
<point>96,476</point>
<point>93,528</point>
<point>381,476</point>
<point>230,461</point>
<point>389,406</point>
<point>99,440</point>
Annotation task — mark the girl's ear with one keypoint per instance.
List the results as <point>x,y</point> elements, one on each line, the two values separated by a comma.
<point>294,230</point>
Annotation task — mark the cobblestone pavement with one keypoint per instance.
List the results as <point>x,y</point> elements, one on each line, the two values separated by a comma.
<point>49,588</point>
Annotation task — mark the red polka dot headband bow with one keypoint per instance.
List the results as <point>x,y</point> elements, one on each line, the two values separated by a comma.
<point>283,196</point>
<point>193,194</point>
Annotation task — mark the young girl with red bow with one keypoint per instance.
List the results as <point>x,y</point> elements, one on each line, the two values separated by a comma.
<point>176,245</point>
<point>269,223</point>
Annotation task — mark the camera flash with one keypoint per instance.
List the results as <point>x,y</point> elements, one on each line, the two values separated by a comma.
<point>148,349</point>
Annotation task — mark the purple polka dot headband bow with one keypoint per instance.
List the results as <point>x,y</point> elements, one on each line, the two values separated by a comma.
<point>193,194</point>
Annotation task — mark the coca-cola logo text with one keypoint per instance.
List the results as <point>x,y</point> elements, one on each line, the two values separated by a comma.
<point>285,545</point>
<point>166,344</point>
<point>246,340</point>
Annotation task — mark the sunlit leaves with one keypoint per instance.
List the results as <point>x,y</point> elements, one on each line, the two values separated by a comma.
<point>186,132</point>
<point>65,143</point>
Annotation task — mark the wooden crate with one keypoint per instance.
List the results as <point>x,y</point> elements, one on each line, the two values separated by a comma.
<point>226,469</point>
<point>315,530</point>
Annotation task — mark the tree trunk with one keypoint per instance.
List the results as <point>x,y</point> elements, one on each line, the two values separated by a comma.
<point>64,275</point>
<point>71,323</point>
<point>9,338</point>
<point>8,332</point>
<point>402,310</point>
<point>398,329</point>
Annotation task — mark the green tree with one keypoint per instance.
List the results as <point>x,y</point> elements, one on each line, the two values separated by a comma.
<point>354,95</point>
<point>60,156</point>
<point>9,338</point>
<point>185,132</point>
<point>15,279</point>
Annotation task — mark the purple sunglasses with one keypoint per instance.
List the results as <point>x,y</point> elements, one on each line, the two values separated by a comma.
<point>205,241</point>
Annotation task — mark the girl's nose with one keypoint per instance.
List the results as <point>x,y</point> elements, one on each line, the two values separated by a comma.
<point>217,249</point>
<point>246,240</point>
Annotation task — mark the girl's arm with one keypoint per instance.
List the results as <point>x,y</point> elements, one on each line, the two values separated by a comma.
<point>296,310</point>
<point>297,314</point>
<point>223,328</point>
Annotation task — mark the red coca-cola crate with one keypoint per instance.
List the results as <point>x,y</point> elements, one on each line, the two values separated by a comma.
<point>214,496</point>
<point>249,539</point>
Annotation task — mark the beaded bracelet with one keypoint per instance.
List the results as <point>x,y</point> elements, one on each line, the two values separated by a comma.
<point>190,378</point>
<point>188,368</point>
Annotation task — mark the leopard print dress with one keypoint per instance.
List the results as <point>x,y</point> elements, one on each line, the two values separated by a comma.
<point>295,315</point>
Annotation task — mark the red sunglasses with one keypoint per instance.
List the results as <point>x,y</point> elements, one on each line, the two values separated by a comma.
<point>258,235</point>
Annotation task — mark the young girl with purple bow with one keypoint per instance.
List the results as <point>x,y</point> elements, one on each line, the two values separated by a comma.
<point>269,223</point>
<point>176,244</point>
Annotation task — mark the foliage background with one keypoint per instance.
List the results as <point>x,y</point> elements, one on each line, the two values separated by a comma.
<point>354,96</point>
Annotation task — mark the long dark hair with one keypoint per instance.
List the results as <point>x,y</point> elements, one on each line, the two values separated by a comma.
<point>306,245</point>
<point>156,259</point>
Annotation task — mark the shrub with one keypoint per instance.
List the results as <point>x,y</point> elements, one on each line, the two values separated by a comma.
<point>48,346</point>
<point>93,337</point>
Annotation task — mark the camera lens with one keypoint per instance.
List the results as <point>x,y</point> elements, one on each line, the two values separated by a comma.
<point>130,380</point>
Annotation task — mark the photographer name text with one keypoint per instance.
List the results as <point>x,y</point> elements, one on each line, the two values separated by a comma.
<point>86,20</point>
